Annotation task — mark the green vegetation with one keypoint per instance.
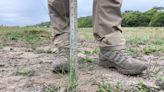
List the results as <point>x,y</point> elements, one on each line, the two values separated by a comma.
<point>27,35</point>
<point>160,78</point>
<point>46,50</point>
<point>136,18</point>
<point>53,88</point>
<point>139,40</point>
<point>90,52</point>
<point>158,19</point>
<point>85,22</point>
<point>1,46</point>
<point>88,55</point>
<point>153,17</point>
<point>25,72</point>
<point>48,88</point>
<point>107,87</point>
<point>145,40</point>
<point>87,33</point>
<point>141,87</point>
<point>104,87</point>
<point>44,24</point>
<point>87,59</point>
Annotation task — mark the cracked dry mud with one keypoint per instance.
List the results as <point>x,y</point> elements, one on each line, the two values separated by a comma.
<point>12,60</point>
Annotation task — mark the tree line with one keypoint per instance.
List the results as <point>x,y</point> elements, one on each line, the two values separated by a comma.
<point>151,18</point>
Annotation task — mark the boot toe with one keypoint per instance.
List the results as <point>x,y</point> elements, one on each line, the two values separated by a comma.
<point>61,68</point>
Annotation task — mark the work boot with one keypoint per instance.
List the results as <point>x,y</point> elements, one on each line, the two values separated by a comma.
<point>61,64</point>
<point>120,60</point>
<point>59,41</point>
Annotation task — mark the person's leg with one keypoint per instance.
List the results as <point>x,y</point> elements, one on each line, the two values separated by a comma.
<point>59,16</point>
<point>107,31</point>
<point>107,22</point>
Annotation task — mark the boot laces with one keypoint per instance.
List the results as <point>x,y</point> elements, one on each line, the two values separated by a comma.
<point>124,53</point>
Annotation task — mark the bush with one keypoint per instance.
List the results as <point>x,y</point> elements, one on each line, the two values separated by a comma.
<point>131,19</point>
<point>85,22</point>
<point>157,20</point>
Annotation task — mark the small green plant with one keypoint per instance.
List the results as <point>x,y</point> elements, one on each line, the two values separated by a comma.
<point>161,78</point>
<point>88,55</point>
<point>153,70</point>
<point>25,72</point>
<point>47,50</point>
<point>90,52</point>
<point>141,87</point>
<point>118,87</point>
<point>102,87</point>
<point>87,59</point>
<point>1,46</point>
<point>153,49</point>
<point>47,88</point>
<point>50,88</point>
<point>95,51</point>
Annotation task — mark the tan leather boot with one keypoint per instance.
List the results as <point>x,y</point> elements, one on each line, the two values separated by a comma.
<point>120,60</point>
<point>61,40</point>
<point>61,62</point>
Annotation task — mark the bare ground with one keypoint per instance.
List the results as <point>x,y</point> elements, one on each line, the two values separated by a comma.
<point>14,59</point>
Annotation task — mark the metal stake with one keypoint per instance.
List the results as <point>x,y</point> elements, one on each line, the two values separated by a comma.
<point>73,46</point>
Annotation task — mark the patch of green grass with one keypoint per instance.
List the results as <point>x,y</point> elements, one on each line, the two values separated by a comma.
<point>153,49</point>
<point>141,87</point>
<point>88,55</point>
<point>87,33</point>
<point>1,46</point>
<point>48,89</point>
<point>145,40</point>
<point>147,49</point>
<point>87,59</point>
<point>25,72</point>
<point>54,88</point>
<point>90,52</point>
<point>118,87</point>
<point>138,41</point>
<point>102,87</point>
<point>32,36</point>
<point>47,50</point>
<point>149,37</point>
<point>159,79</point>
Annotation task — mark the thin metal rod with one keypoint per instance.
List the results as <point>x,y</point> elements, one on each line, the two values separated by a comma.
<point>73,46</point>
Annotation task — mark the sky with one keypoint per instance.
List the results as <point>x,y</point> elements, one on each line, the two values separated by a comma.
<point>29,12</point>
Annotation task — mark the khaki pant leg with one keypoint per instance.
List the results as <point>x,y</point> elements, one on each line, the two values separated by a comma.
<point>107,24</point>
<point>59,16</point>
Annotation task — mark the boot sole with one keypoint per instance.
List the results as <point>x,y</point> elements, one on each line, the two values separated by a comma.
<point>107,64</point>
